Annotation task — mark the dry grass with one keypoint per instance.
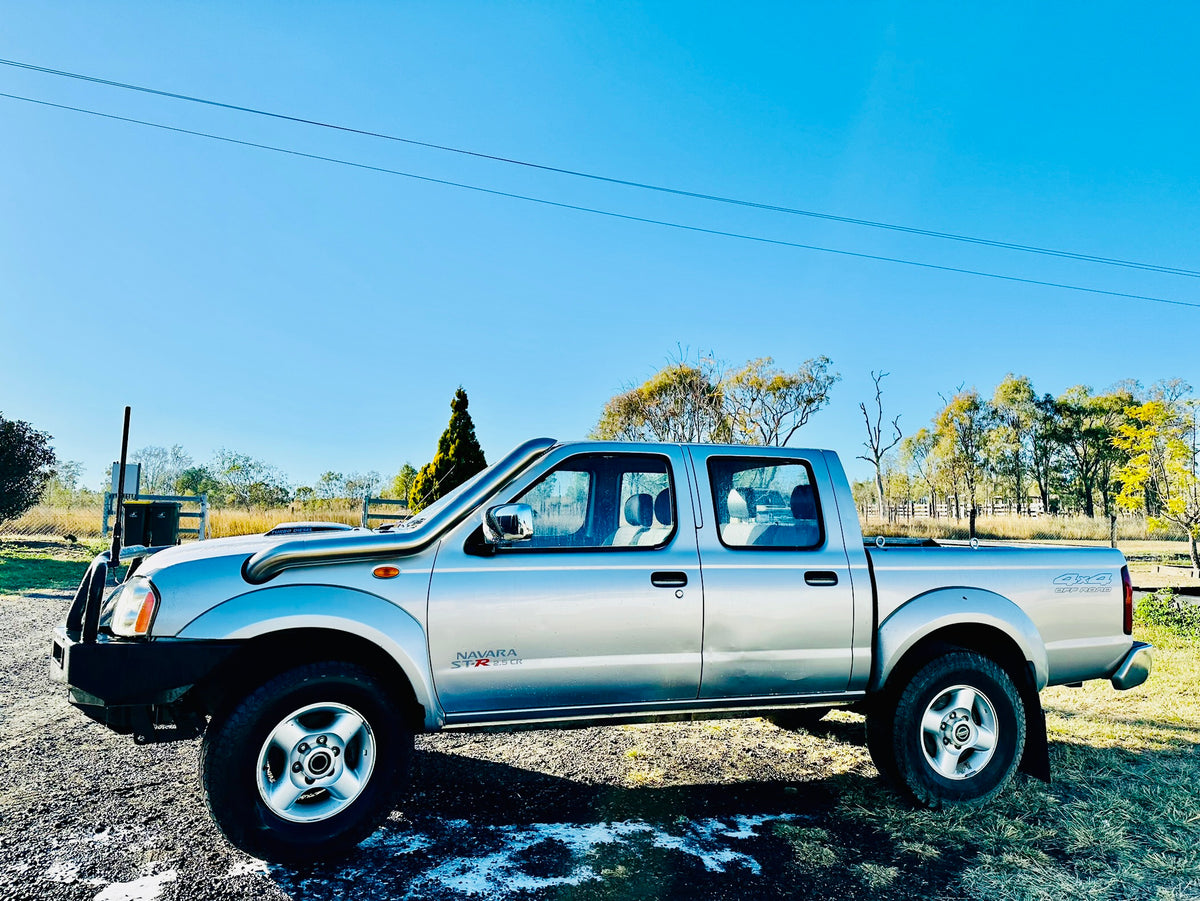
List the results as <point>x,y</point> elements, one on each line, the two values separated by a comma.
<point>1122,819</point>
<point>232,521</point>
<point>1020,528</point>
<point>84,522</point>
<point>44,520</point>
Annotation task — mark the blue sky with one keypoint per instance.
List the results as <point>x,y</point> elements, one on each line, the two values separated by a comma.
<point>320,317</point>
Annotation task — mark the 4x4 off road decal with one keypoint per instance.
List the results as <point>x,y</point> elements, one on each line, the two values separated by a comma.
<point>476,659</point>
<point>1083,583</point>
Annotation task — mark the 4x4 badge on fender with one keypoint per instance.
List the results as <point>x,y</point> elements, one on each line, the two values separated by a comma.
<point>1083,583</point>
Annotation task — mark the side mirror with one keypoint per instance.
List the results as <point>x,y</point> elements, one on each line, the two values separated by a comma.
<point>508,522</point>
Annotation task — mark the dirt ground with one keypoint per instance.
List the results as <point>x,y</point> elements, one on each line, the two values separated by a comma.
<point>723,809</point>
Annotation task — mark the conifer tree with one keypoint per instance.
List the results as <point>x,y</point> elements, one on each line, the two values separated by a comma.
<point>458,457</point>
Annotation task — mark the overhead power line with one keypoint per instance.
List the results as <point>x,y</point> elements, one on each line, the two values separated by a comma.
<point>662,189</point>
<point>600,212</point>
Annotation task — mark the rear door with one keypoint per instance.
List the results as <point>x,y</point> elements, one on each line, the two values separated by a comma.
<point>779,606</point>
<point>602,607</point>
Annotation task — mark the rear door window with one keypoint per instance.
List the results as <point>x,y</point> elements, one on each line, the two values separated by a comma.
<point>765,503</point>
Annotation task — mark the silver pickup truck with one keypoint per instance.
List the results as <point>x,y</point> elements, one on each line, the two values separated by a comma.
<point>585,583</point>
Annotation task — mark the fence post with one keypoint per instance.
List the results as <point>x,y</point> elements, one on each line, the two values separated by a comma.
<point>366,509</point>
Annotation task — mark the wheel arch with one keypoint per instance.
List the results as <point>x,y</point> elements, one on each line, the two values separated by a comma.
<point>264,656</point>
<point>288,626</point>
<point>973,619</point>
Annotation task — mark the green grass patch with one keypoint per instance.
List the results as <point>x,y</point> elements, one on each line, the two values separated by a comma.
<point>1166,610</point>
<point>41,565</point>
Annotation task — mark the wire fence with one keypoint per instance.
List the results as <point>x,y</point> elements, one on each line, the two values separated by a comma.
<point>84,522</point>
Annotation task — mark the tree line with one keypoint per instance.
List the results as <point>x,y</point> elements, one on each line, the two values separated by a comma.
<point>1093,453</point>
<point>1130,448</point>
<point>31,473</point>
<point>1060,454</point>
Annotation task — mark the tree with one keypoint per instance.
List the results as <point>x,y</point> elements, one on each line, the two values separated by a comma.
<point>1087,424</point>
<point>1045,453</point>
<point>458,457</point>
<point>331,486</point>
<point>874,443</point>
<point>26,464</point>
<point>767,406</point>
<point>363,484</point>
<point>160,467</point>
<point>756,403</point>
<point>403,482</point>
<point>1162,441</point>
<point>681,402</point>
<point>244,481</point>
<point>918,451</point>
<point>63,488</point>
<point>962,430</point>
<point>195,480</point>
<point>1013,405</point>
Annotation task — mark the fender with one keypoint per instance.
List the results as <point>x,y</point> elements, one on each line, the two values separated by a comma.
<point>944,607</point>
<point>368,616</point>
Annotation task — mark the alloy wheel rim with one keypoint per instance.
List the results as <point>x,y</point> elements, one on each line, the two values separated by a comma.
<point>958,732</point>
<point>315,762</point>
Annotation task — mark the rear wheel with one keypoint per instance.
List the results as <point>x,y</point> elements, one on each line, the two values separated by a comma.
<point>306,766</point>
<point>957,732</point>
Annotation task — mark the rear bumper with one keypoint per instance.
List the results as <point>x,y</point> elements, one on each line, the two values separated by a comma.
<point>1135,668</point>
<point>111,680</point>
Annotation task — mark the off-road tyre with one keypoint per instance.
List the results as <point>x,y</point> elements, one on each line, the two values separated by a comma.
<point>237,737</point>
<point>931,715</point>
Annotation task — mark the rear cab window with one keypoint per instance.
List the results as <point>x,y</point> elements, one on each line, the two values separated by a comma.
<point>765,503</point>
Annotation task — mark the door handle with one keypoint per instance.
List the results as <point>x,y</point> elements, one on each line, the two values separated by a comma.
<point>668,579</point>
<point>820,577</point>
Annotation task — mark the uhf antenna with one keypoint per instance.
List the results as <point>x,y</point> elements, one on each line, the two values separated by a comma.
<point>114,556</point>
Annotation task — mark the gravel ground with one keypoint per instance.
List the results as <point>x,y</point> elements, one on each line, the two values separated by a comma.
<point>707,809</point>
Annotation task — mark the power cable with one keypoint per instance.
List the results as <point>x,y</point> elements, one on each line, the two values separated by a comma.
<point>679,192</point>
<point>599,212</point>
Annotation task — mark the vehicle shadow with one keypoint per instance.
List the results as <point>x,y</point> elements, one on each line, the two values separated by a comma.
<point>481,828</point>
<point>452,786</point>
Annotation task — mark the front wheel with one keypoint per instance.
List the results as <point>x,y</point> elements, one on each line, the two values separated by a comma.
<point>308,765</point>
<point>958,731</point>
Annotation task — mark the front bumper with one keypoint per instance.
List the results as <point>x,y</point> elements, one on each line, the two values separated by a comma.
<point>1135,668</point>
<point>120,682</point>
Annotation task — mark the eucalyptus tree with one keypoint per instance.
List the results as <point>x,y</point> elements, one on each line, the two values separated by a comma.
<point>962,429</point>
<point>707,400</point>
<point>1014,410</point>
<point>919,452</point>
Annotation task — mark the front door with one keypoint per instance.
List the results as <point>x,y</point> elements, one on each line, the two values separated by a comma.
<point>601,608</point>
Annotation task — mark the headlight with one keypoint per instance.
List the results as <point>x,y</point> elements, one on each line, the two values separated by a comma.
<point>133,612</point>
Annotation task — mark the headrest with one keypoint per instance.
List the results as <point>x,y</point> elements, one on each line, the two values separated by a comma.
<point>741,503</point>
<point>662,507</point>
<point>639,510</point>
<point>804,502</point>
